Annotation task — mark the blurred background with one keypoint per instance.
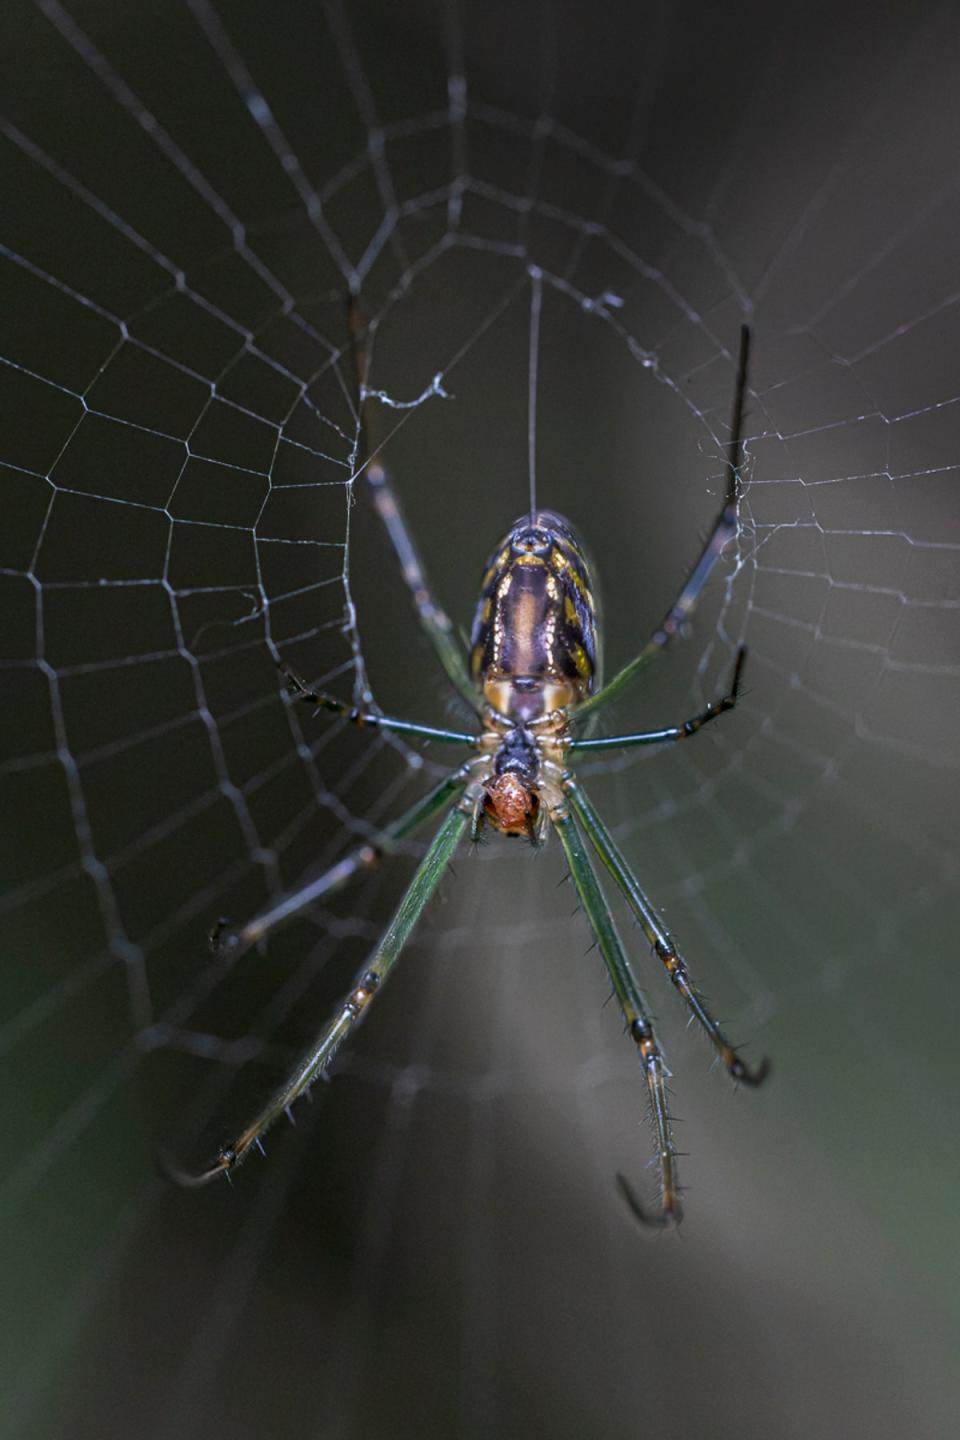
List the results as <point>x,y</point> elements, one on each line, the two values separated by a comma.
<point>437,1247</point>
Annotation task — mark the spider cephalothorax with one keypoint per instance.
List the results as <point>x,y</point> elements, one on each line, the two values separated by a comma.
<point>531,679</point>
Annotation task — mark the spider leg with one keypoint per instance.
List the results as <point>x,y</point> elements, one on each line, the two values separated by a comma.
<point>724,528</point>
<point>659,937</point>
<point>301,691</point>
<point>636,1012</point>
<point>673,732</point>
<point>368,983</point>
<point>433,618</point>
<point>224,937</point>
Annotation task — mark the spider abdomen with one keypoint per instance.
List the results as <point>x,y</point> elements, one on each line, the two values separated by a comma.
<point>533,646</point>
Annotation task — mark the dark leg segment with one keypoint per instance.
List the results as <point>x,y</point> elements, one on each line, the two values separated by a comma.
<point>301,691</point>
<point>724,528</point>
<point>370,980</point>
<point>658,936</point>
<point>673,732</point>
<point>224,937</point>
<point>637,1015</point>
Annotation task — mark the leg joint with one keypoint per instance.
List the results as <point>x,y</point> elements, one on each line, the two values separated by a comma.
<point>642,1033</point>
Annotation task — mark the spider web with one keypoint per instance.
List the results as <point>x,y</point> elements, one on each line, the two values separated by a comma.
<point>437,1248</point>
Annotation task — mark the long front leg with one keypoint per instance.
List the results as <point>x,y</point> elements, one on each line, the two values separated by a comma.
<point>636,1013</point>
<point>367,985</point>
<point>724,528</point>
<point>433,618</point>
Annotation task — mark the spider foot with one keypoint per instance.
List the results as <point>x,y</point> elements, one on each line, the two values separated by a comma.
<point>730,699</point>
<point>293,684</point>
<point>189,1179</point>
<point>669,1214</point>
<point>742,1073</point>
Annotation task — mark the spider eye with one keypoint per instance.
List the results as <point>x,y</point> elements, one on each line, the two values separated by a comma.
<point>531,541</point>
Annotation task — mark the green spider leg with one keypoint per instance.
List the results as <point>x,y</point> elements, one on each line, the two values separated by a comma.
<point>662,941</point>
<point>433,618</point>
<point>636,1013</point>
<point>724,528</point>
<point>369,981</point>
<point>225,937</point>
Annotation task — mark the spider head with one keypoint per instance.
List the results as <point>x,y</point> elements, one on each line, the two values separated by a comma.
<point>535,533</point>
<point>512,805</point>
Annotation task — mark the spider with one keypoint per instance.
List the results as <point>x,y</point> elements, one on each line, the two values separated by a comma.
<point>531,679</point>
